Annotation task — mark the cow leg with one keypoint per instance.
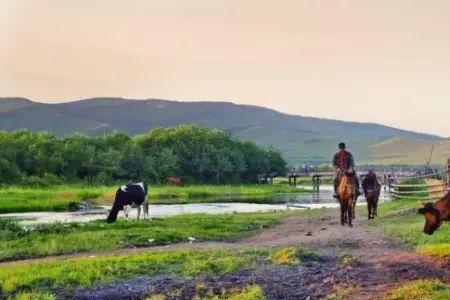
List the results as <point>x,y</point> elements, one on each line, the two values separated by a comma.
<point>138,212</point>
<point>126,210</point>
<point>145,207</point>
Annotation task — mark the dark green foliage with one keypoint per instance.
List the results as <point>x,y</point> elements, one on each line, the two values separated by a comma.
<point>192,153</point>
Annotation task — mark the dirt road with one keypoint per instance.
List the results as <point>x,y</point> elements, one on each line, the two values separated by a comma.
<point>375,263</point>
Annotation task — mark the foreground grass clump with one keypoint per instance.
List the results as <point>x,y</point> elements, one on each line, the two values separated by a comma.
<point>53,239</point>
<point>46,276</point>
<point>292,256</point>
<point>250,292</point>
<point>33,296</point>
<point>285,256</point>
<point>400,218</point>
<point>421,289</point>
<point>63,198</point>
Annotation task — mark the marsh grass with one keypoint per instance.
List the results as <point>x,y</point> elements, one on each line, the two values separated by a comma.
<point>54,239</point>
<point>63,198</point>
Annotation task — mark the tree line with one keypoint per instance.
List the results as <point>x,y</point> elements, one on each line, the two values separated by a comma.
<point>192,153</point>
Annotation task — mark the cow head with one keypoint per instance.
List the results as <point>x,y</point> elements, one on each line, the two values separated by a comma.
<point>432,218</point>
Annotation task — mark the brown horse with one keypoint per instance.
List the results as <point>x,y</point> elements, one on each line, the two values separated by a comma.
<point>435,213</point>
<point>372,189</point>
<point>346,193</point>
<point>174,181</point>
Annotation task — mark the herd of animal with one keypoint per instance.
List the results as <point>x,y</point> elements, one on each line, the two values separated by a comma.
<point>135,195</point>
<point>347,195</point>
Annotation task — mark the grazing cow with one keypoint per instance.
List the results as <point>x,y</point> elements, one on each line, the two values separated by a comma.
<point>129,195</point>
<point>435,213</point>
<point>371,187</point>
<point>174,181</point>
<point>346,193</point>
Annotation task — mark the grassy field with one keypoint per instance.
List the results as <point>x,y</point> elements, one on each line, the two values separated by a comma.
<point>44,277</point>
<point>399,218</point>
<point>41,279</point>
<point>63,198</point>
<point>53,239</point>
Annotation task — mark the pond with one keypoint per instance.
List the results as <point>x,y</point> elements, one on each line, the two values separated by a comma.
<point>323,198</point>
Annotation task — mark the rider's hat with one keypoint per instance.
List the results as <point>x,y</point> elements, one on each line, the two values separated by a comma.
<point>341,146</point>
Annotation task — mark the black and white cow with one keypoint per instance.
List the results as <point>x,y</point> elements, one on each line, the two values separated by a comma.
<point>129,195</point>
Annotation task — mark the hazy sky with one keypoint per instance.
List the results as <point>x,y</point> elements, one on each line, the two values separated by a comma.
<point>376,61</point>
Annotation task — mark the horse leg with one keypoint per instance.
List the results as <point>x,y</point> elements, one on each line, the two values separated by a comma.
<point>375,207</point>
<point>369,208</point>
<point>342,214</point>
<point>350,215</point>
<point>138,212</point>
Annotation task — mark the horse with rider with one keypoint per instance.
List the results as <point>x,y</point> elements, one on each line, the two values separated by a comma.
<point>346,183</point>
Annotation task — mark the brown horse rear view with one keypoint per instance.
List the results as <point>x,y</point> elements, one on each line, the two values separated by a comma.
<point>346,193</point>
<point>372,189</point>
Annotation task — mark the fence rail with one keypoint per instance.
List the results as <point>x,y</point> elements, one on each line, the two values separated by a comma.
<point>428,189</point>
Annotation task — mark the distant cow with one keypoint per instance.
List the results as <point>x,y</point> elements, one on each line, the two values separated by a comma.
<point>435,213</point>
<point>129,195</point>
<point>174,181</point>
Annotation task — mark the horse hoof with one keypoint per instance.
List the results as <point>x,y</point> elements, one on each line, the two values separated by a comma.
<point>350,225</point>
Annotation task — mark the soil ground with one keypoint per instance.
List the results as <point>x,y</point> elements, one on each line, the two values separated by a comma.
<point>375,264</point>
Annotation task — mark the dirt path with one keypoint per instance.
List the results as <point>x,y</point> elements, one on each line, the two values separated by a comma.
<point>377,262</point>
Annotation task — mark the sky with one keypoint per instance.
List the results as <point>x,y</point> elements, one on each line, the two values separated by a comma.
<point>379,61</point>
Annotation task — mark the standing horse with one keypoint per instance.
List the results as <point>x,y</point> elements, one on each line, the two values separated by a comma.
<point>346,193</point>
<point>371,188</point>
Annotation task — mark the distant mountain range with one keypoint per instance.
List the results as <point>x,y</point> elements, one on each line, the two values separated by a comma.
<point>300,139</point>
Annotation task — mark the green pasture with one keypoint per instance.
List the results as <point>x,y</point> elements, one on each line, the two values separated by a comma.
<point>17,242</point>
<point>66,197</point>
<point>400,219</point>
<point>43,278</point>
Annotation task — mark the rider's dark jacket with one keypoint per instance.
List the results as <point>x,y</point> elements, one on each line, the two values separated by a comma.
<point>343,159</point>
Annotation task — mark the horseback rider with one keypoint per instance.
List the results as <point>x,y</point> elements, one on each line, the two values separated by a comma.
<point>343,162</point>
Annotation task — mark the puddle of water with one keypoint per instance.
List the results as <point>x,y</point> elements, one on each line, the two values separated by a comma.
<point>324,198</point>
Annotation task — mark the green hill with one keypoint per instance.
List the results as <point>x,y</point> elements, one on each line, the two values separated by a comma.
<point>301,139</point>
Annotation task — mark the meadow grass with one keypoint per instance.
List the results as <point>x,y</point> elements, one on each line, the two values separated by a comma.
<point>400,219</point>
<point>54,239</point>
<point>66,197</point>
<point>47,276</point>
